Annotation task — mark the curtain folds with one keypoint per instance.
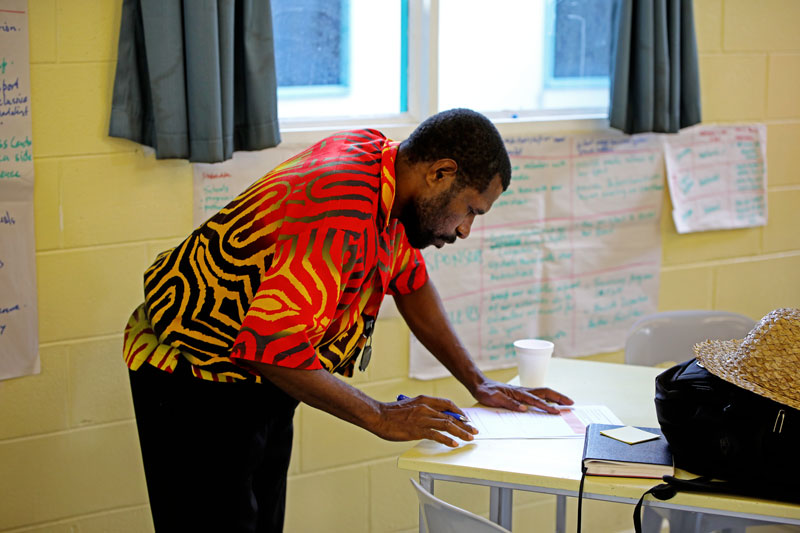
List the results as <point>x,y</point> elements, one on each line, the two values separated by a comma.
<point>196,79</point>
<point>655,81</point>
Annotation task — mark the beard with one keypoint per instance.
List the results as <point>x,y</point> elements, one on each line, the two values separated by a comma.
<point>422,220</point>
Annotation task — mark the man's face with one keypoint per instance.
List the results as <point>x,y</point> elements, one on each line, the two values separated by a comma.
<point>441,219</point>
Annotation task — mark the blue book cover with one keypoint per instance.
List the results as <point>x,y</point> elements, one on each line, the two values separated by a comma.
<point>604,456</point>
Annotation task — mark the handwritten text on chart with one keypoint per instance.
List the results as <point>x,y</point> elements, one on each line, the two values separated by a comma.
<point>717,177</point>
<point>13,102</point>
<point>15,150</point>
<point>6,312</point>
<point>5,27</point>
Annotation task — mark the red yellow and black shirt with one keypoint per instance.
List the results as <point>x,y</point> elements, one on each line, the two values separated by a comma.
<point>287,273</point>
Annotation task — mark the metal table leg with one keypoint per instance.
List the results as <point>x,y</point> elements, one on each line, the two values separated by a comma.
<point>426,480</point>
<point>561,514</point>
<point>500,504</point>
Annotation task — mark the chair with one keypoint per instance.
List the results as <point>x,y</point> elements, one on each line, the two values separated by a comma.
<point>439,516</point>
<point>669,337</point>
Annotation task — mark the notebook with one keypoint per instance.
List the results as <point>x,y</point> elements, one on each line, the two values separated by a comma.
<point>605,456</point>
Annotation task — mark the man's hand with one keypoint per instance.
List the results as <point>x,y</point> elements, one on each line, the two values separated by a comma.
<point>424,313</point>
<point>496,394</point>
<point>422,418</point>
<point>412,419</point>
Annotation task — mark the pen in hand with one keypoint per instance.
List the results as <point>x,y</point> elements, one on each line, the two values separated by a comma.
<point>457,416</point>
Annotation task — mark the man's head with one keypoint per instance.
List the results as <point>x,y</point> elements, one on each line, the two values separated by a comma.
<point>460,166</point>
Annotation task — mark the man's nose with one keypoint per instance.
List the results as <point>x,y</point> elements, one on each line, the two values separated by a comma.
<point>464,228</point>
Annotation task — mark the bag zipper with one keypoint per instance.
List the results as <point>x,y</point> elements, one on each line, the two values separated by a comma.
<point>779,422</point>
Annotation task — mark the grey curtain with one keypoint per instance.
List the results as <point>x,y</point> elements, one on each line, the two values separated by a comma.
<point>655,81</point>
<point>196,79</point>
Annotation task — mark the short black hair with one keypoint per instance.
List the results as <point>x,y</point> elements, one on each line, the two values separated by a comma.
<point>468,138</point>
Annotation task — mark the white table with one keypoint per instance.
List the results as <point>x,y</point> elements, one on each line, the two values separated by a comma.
<point>552,466</point>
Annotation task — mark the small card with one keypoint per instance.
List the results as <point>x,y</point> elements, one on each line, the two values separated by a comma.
<point>629,434</point>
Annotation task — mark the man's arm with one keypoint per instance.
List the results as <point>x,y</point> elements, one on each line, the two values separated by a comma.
<point>417,418</point>
<point>424,313</point>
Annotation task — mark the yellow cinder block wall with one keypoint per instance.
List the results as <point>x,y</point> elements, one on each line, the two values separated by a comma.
<point>69,458</point>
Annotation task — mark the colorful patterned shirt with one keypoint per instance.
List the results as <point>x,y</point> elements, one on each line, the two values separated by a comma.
<point>288,273</point>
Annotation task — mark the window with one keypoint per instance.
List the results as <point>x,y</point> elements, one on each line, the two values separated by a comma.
<point>515,58</point>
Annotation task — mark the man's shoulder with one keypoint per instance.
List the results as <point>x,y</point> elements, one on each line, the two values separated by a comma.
<point>345,152</point>
<point>336,181</point>
<point>358,135</point>
<point>361,142</point>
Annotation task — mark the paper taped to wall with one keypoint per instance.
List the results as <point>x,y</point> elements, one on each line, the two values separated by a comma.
<point>717,176</point>
<point>19,326</point>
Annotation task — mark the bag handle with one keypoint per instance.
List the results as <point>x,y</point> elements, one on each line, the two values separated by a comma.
<point>672,485</point>
<point>662,491</point>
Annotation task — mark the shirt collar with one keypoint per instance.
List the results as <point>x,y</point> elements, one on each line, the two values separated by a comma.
<point>387,192</point>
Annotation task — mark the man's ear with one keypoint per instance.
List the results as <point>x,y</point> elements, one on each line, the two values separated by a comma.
<point>441,173</point>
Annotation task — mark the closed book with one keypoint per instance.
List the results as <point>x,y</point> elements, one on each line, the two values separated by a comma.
<point>604,456</point>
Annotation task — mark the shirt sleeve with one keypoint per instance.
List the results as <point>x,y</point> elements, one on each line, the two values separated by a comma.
<point>296,300</point>
<point>408,266</point>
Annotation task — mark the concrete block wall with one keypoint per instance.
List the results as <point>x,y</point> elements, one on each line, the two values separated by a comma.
<point>749,71</point>
<point>69,458</point>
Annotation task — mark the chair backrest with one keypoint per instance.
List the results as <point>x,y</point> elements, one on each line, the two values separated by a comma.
<point>670,335</point>
<point>442,517</point>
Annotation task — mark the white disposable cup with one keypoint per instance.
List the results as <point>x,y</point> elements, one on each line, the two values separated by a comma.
<point>533,358</point>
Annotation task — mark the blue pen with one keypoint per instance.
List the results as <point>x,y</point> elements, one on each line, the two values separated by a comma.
<point>457,416</point>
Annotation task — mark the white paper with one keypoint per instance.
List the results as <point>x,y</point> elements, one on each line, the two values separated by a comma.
<point>629,434</point>
<point>494,423</point>
<point>569,253</point>
<point>717,177</point>
<point>19,332</point>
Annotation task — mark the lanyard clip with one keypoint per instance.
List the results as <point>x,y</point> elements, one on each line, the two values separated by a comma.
<point>366,353</point>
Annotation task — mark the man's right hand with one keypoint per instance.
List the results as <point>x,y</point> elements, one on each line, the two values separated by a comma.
<point>411,419</point>
<point>422,417</point>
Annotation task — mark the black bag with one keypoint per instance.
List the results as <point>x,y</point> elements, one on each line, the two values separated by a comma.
<point>719,430</point>
<point>737,441</point>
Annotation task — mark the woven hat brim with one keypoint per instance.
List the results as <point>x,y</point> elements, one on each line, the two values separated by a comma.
<point>721,359</point>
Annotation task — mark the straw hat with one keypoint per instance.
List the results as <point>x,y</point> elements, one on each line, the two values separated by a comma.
<point>766,362</point>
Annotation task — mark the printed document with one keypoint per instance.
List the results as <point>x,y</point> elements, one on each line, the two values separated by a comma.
<point>494,423</point>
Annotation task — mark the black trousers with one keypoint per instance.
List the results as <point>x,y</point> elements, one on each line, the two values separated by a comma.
<point>215,454</point>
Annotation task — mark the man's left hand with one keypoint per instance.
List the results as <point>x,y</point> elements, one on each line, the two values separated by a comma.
<point>493,393</point>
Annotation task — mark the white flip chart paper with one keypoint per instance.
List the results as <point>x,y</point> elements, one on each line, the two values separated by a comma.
<point>19,330</point>
<point>717,176</point>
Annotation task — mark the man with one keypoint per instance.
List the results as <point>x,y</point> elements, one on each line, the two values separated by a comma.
<point>253,312</point>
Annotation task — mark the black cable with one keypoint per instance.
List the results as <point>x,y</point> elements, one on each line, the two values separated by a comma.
<point>580,496</point>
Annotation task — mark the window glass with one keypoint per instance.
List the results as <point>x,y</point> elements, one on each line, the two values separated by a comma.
<point>310,36</point>
<point>338,58</point>
<point>524,56</point>
<point>580,38</point>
